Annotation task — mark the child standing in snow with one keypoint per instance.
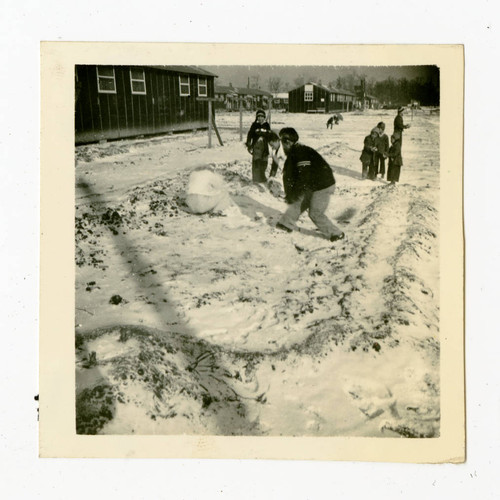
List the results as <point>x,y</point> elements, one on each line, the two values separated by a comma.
<point>382,144</point>
<point>395,158</point>
<point>368,155</point>
<point>277,161</point>
<point>277,157</point>
<point>257,145</point>
<point>206,192</point>
<point>399,125</point>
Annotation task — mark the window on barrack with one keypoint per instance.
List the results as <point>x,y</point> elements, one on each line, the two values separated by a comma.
<point>106,80</point>
<point>137,81</point>
<point>184,85</point>
<point>202,87</point>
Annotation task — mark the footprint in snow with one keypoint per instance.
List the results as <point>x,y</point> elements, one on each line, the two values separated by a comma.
<point>371,398</point>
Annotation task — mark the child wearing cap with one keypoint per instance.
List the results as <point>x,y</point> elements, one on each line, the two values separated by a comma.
<point>399,125</point>
<point>257,145</point>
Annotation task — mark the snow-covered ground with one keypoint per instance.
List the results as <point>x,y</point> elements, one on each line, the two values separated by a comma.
<point>210,324</point>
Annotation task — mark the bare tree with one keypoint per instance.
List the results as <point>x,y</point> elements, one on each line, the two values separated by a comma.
<point>370,85</point>
<point>254,81</point>
<point>341,83</point>
<point>274,84</point>
<point>299,81</point>
<point>352,79</point>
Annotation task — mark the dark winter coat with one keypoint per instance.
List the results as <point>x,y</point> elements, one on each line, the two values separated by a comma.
<point>394,154</point>
<point>399,124</point>
<point>367,155</point>
<point>256,131</point>
<point>305,170</point>
<point>382,144</point>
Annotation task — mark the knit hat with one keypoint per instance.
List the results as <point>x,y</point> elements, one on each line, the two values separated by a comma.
<point>260,112</point>
<point>401,108</point>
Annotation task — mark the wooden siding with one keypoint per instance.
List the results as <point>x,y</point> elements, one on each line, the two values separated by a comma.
<point>297,104</point>
<point>122,114</point>
<point>341,102</point>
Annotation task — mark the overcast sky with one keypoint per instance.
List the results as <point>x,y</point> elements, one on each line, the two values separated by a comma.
<point>239,75</point>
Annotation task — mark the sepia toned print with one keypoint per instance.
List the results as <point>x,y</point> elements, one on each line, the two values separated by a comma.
<point>207,306</point>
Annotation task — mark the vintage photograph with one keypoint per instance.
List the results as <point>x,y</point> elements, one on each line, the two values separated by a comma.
<point>257,250</point>
<point>258,260</point>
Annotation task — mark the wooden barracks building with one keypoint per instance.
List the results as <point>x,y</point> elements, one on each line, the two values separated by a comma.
<point>316,98</point>
<point>114,102</point>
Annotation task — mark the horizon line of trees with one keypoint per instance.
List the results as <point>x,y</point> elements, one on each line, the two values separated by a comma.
<point>390,90</point>
<point>403,91</point>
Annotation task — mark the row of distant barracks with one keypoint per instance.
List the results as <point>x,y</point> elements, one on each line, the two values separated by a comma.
<point>115,102</point>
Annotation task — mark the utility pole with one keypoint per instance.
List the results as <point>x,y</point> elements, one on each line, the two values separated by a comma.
<point>241,119</point>
<point>210,119</point>
<point>269,107</point>
<point>209,124</point>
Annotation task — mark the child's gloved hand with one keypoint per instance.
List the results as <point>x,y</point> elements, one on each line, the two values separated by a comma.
<point>275,187</point>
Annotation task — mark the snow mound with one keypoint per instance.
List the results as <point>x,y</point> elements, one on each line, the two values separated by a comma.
<point>233,323</point>
<point>148,382</point>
